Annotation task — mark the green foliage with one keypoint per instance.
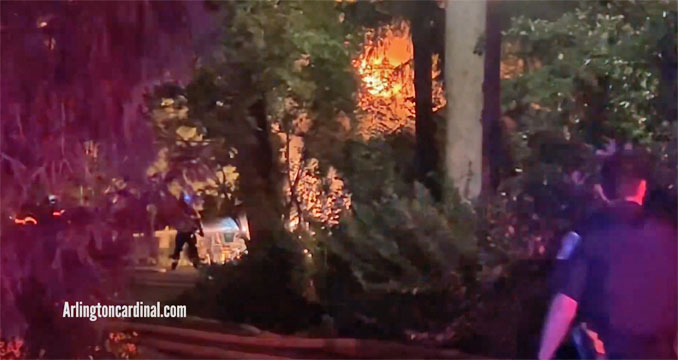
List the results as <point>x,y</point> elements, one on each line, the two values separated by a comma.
<point>294,49</point>
<point>294,58</point>
<point>398,252</point>
<point>289,59</point>
<point>595,56</point>
<point>401,244</point>
<point>377,168</point>
<point>298,51</point>
<point>592,76</point>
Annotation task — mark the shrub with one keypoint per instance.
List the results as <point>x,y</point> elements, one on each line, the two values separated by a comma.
<point>399,261</point>
<point>264,288</point>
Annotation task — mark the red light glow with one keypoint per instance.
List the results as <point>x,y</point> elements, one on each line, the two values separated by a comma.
<point>26,220</point>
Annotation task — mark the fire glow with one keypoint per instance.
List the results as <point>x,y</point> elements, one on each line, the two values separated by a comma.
<point>386,70</point>
<point>386,97</point>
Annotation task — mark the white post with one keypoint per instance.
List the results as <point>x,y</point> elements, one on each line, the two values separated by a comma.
<point>464,70</point>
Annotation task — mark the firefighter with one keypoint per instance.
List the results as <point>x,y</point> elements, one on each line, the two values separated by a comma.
<point>187,226</point>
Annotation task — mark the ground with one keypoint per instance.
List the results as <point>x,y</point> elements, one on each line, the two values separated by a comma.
<point>202,338</point>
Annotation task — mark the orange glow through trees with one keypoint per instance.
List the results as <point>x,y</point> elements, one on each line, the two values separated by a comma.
<point>386,70</point>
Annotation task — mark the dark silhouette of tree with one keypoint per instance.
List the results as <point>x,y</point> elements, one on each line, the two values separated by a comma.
<point>495,156</point>
<point>427,158</point>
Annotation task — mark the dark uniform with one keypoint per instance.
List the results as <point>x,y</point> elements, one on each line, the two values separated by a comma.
<point>183,238</point>
<point>187,227</point>
<point>622,273</point>
<point>571,348</point>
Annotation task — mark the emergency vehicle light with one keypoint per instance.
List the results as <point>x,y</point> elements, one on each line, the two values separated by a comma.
<point>26,220</point>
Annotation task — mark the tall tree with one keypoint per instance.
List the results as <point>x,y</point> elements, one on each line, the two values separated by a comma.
<point>464,69</point>
<point>277,60</point>
<point>426,160</point>
<point>495,156</point>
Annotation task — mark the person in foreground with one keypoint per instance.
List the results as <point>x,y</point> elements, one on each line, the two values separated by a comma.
<point>621,281</point>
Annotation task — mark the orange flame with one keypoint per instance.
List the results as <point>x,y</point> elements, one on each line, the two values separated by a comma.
<point>386,70</point>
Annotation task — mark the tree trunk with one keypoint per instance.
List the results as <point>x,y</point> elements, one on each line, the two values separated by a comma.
<point>596,100</point>
<point>465,23</point>
<point>426,157</point>
<point>495,156</point>
<point>668,81</point>
<point>256,167</point>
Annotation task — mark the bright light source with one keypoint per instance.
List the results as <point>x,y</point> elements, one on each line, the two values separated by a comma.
<point>26,220</point>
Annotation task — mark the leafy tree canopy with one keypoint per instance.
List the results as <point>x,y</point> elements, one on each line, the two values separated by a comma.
<point>599,56</point>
